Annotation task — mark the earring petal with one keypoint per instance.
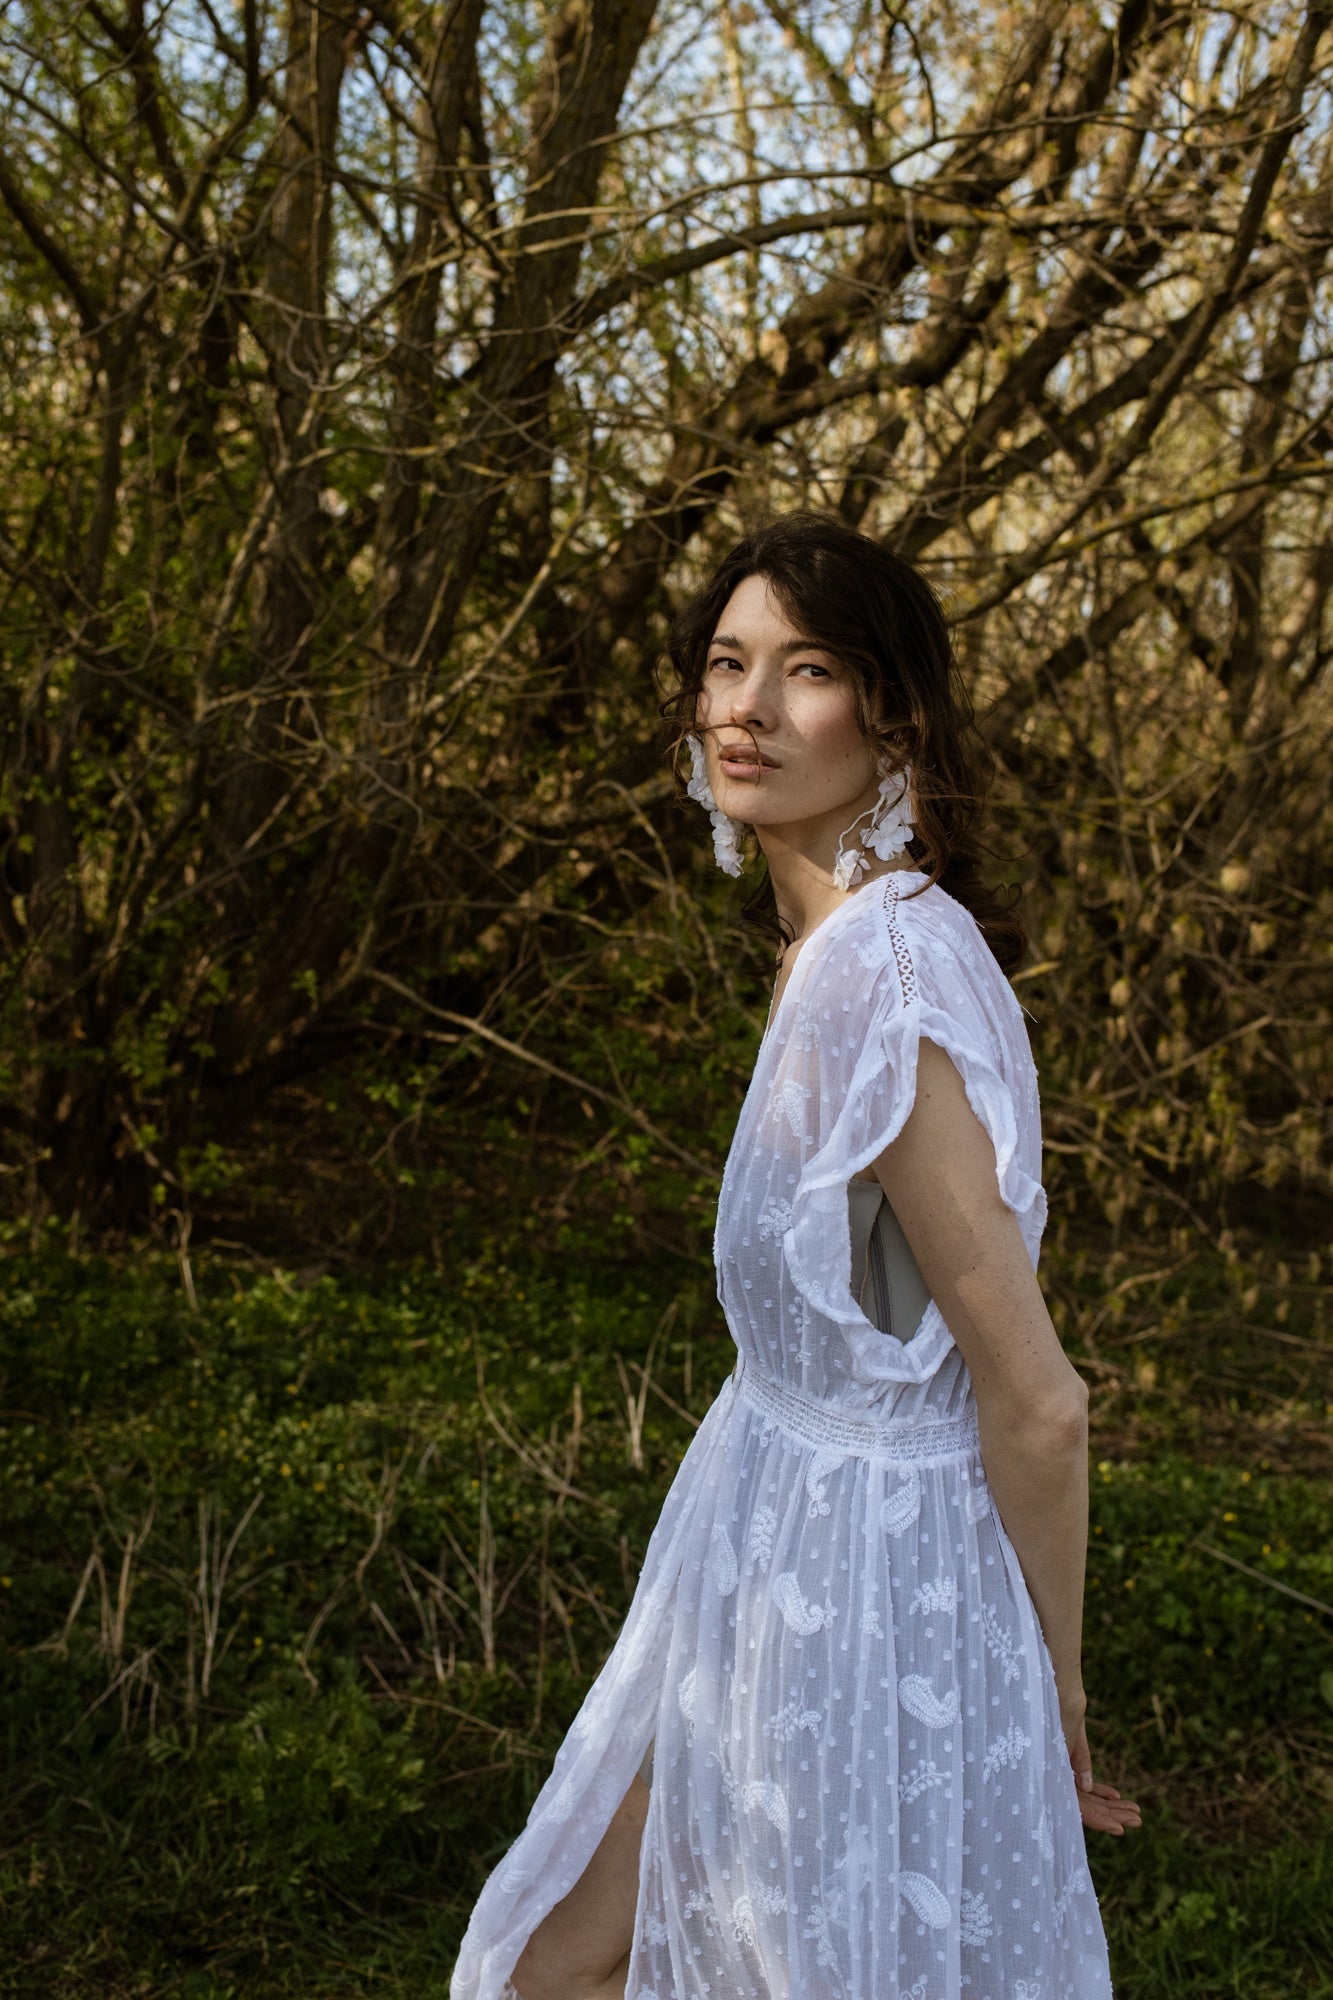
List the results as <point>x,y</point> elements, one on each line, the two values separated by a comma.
<point>726,831</point>
<point>888,833</point>
<point>699,787</point>
<point>892,828</point>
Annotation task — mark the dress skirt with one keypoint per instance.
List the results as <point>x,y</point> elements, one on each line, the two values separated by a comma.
<point>859,1785</point>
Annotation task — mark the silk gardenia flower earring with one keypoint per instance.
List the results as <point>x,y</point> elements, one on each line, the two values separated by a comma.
<point>888,832</point>
<point>726,831</point>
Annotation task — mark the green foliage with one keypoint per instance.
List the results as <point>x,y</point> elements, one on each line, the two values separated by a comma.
<point>1260,1929</point>
<point>299,1590</point>
<point>340,540</point>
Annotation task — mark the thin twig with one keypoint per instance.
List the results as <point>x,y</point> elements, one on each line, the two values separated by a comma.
<point>1315,1603</point>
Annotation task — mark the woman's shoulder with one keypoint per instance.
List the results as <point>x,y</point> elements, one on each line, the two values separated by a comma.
<point>920,935</point>
<point>911,950</point>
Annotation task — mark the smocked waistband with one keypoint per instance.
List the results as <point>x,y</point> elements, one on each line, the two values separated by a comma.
<point>830,1428</point>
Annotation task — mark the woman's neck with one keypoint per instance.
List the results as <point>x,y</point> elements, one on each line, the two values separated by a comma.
<point>805,893</point>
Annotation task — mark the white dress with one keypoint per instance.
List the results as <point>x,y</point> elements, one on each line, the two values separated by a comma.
<point>860,1789</point>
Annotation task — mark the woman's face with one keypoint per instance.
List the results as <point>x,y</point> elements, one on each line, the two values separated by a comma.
<point>767,690</point>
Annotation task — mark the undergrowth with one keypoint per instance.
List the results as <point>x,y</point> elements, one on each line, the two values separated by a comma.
<point>302,1582</point>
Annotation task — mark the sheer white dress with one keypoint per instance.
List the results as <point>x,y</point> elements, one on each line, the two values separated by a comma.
<point>859,1785</point>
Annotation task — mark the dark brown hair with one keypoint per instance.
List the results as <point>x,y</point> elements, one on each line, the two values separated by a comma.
<point>877,613</point>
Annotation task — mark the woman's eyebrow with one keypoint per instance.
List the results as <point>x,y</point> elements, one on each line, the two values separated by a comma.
<point>791,645</point>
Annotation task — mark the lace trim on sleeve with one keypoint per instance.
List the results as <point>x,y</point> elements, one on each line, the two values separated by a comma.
<point>902,951</point>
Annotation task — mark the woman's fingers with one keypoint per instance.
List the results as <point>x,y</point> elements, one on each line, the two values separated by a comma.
<point>1104,1811</point>
<point>1115,1816</point>
<point>1100,1806</point>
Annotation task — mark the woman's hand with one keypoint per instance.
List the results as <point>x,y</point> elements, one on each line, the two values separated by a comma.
<point>1101,1806</point>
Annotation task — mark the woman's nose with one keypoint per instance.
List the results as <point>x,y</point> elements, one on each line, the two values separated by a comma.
<point>749,707</point>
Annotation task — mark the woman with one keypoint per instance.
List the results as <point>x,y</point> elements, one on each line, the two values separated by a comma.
<point>838,1751</point>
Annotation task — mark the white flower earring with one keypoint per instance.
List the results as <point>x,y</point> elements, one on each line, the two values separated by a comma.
<point>726,831</point>
<point>888,832</point>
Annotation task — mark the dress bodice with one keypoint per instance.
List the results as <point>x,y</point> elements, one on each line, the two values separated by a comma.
<point>818,1284</point>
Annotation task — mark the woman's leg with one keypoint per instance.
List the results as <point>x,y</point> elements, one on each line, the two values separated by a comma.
<point>580,1950</point>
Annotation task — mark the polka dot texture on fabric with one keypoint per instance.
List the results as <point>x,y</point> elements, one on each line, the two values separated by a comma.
<point>860,1789</point>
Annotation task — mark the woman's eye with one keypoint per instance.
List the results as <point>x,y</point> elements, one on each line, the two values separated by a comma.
<point>803,666</point>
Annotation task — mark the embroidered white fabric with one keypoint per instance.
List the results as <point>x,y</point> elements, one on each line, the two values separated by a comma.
<point>860,1790</point>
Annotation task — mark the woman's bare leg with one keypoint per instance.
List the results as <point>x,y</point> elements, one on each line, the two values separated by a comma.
<point>580,1950</point>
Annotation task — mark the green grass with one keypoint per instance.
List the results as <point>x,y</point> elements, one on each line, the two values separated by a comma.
<point>301,1588</point>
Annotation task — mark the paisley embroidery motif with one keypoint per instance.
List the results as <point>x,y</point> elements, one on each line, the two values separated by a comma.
<point>930,1903</point>
<point>722,1556</point>
<point>919,1698</point>
<point>768,1798</point>
<point>742,1923</point>
<point>903,1507</point>
<point>816,1477</point>
<point>771,1901</point>
<point>977,1503</point>
<point>800,1616</point>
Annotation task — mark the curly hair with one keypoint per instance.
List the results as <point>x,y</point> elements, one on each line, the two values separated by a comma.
<point>878,614</point>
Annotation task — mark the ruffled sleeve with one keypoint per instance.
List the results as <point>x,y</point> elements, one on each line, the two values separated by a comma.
<point>883,984</point>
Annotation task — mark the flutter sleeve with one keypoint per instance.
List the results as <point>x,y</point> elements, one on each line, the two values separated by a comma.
<point>886,982</point>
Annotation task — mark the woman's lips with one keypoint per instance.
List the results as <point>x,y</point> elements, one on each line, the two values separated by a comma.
<point>743,767</point>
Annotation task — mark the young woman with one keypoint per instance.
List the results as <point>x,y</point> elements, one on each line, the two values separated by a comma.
<point>838,1751</point>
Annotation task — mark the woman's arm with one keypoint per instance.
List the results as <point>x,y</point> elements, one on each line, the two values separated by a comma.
<point>939,1176</point>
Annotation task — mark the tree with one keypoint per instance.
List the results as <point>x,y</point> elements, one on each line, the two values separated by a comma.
<point>379,375</point>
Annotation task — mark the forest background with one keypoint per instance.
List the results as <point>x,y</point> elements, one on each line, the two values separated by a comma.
<point>375,1021</point>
